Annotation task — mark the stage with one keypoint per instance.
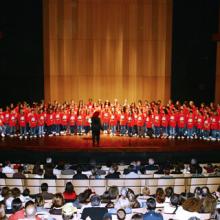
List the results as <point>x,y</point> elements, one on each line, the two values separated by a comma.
<point>114,148</point>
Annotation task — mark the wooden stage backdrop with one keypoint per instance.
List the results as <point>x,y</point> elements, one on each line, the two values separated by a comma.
<point>107,49</point>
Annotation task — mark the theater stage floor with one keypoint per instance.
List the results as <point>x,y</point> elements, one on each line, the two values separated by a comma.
<point>116,147</point>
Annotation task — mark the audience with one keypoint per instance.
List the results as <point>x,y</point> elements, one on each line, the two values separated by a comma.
<point>183,207</point>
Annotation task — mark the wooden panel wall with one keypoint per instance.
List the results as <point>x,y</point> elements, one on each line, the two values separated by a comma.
<point>107,49</point>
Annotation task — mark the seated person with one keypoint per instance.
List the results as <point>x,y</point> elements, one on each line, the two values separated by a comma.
<point>44,192</point>
<point>68,212</point>
<point>79,175</point>
<point>95,212</point>
<point>151,214</point>
<point>30,211</point>
<point>69,193</point>
<point>17,209</point>
<point>57,204</point>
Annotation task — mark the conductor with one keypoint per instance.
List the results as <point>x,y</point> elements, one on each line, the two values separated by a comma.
<point>96,126</point>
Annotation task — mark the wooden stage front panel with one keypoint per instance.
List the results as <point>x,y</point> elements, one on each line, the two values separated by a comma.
<point>108,144</point>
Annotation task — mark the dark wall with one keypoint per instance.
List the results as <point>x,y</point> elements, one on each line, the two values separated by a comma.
<point>194,52</point>
<point>21,51</point>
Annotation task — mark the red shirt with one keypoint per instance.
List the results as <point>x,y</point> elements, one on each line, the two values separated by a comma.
<point>72,119</point>
<point>181,120</point>
<point>206,125</point>
<point>105,117</point>
<point>130,121</point>
<point>200,122</point>
<point>149,121</point>
<point>157,120</point>
<point>7,116</point>
<point>79,121</point>
<point>41,119</point>
<point>57,118</point>
<point>164,120</point>
<point>12,119</point>
<point>172,121</point>
<point>113,119</point>
<point>64,119</point>
<point>190,122</point>
<point>17,215</point>
<point>50,119</point>
<point>123,119</point>
<point>140,121</point>
<point>86,121</point>
<point>33,120</point>
<point>69,196</point>
<point>214,122</point>
<point>22,120</point>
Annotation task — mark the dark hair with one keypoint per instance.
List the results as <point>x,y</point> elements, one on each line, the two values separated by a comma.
<point>57,200</point>
<point>123,214</point>
<point>169,191</point>
<point>69,187</point>
<point>16,205</point>
<point>175,200</point>
<point>39,200</point>
<point>160,195</point>
<point>26,192</point>
<point>137,216</point>
<point>205,191</point>
<point>151,204</point>
<point>95,200</point>
<point>44,187</point>
<point>28,203</point>
<point>16,192</point>
<point>84,196</point>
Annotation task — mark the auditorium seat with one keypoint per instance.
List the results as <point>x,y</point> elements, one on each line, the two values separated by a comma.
<point>152,185</point>
<point>116,182</point>
<point>163,183</point>
<point>19,183</point>
<point>134,184</point>
<point>2,182</point>
<point>33,185</point>
<point>60,185</point>
<point>65,176</point>
<point>179,185</point>
<point>213,183</point>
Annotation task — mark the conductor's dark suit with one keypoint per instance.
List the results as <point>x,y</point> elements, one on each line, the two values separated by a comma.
<point>96,127</point>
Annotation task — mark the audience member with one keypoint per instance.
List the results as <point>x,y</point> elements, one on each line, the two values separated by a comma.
<point>17,209</point>
<point>95,212</point>
<point>79,175</point>
<point>190,208</point>
<point>151,214</point>
<point>68,211</point>
<point>57,204</point>
<point>19,174</point>
<point>44,192</point>
<point>69,193</point>
<point>30,211</point>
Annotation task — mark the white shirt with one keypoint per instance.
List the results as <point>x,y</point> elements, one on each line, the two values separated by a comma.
<point>182,214</point>
<point>7,169</point>
<point>131,175</point>
<point>122,203</point>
